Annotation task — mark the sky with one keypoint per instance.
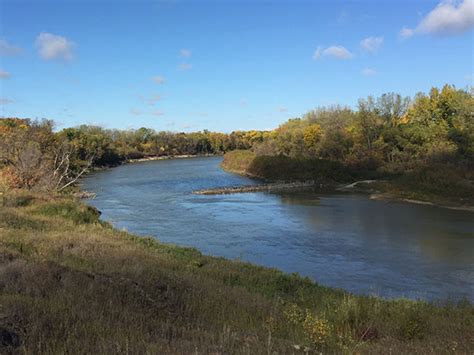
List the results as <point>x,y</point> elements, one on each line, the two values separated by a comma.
<point>223,65</point>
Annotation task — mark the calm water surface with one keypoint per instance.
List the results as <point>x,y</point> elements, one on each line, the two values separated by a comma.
<point>342,240</point>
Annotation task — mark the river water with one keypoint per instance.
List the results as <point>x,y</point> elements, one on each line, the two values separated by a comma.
<point>343,240</point>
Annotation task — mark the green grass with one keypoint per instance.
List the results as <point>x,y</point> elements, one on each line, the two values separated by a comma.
<point>71,284</point>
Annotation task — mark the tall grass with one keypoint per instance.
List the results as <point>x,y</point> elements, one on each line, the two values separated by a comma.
<point>70,284</point>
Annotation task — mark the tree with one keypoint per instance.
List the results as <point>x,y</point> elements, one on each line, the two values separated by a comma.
<point>311,137</point>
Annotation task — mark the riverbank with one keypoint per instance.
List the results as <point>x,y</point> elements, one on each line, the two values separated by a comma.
<point>168,157</point>
<point>72,283</point>
<point>434,187</point>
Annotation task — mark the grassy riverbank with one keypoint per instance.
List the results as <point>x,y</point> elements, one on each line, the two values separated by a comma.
<point>282,168</point>
<point>440,185</point>
<point>71,283</point>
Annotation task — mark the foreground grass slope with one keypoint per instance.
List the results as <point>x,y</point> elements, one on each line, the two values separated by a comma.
<point>70,283</point>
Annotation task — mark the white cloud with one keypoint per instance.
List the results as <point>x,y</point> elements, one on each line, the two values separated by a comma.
<point>158,79</point>
<point>406,32</point>
<point>185,66</point>
<point>185,53</point>
<point>369,72</point>
<point>449,17</point>
<point>7,49</point>
<point>282,109</point>
<point>4,74</point>
<point>337,52</point>
<point>4,101</point>
<point>371,44</point>
<point>52,46</point>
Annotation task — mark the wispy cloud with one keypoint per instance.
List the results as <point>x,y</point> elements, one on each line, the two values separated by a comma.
<point>243,102</point>
<point>157,113</point>
<point>135,112</point>
<point>185,66</point>
<point>158,79</point>
<point>406,32</point>
<point>5,101</point>
<point>343,17</point>
<point>371,44</point>
<point>185,53</point>
<point>7,49</point>
<point>336,52</point>
<point>369,72</point>
<point>282,109</point>
<point>449,17</point>
<point>4,74</point>
<point>153,99</point>
<point>51,46</point>
<point>188,126</point>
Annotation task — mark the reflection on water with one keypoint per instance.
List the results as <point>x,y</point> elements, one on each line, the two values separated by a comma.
<point>341,240</point>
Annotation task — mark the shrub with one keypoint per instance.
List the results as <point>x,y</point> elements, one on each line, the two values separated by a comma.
<point>317,329</point>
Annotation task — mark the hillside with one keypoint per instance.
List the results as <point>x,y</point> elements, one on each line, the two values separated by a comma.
<point>71,283</point>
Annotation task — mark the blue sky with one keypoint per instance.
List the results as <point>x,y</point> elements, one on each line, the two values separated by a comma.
<point>222,65</point>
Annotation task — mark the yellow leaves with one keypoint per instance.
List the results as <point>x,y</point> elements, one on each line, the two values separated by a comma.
<point>317,329</point>
<point>311,135</point>
<point>294,314</point>
<point>404,119</point>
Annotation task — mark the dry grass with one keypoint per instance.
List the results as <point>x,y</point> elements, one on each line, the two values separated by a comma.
<point>70,283</point>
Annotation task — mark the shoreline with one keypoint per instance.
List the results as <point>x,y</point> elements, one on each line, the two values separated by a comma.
<point>265,187</point>
<point>385,196</point>
<point>373,194</point>
<point>168,157</point>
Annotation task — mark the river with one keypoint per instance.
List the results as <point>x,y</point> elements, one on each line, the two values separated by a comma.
<point>342,240</point>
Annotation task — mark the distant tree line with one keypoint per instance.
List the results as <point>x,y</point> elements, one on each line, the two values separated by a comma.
<point>390,133</point>
<point>33,155</point>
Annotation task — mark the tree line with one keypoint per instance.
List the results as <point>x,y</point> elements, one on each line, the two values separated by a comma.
<point>390,133</point>
<point>34,156</point>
